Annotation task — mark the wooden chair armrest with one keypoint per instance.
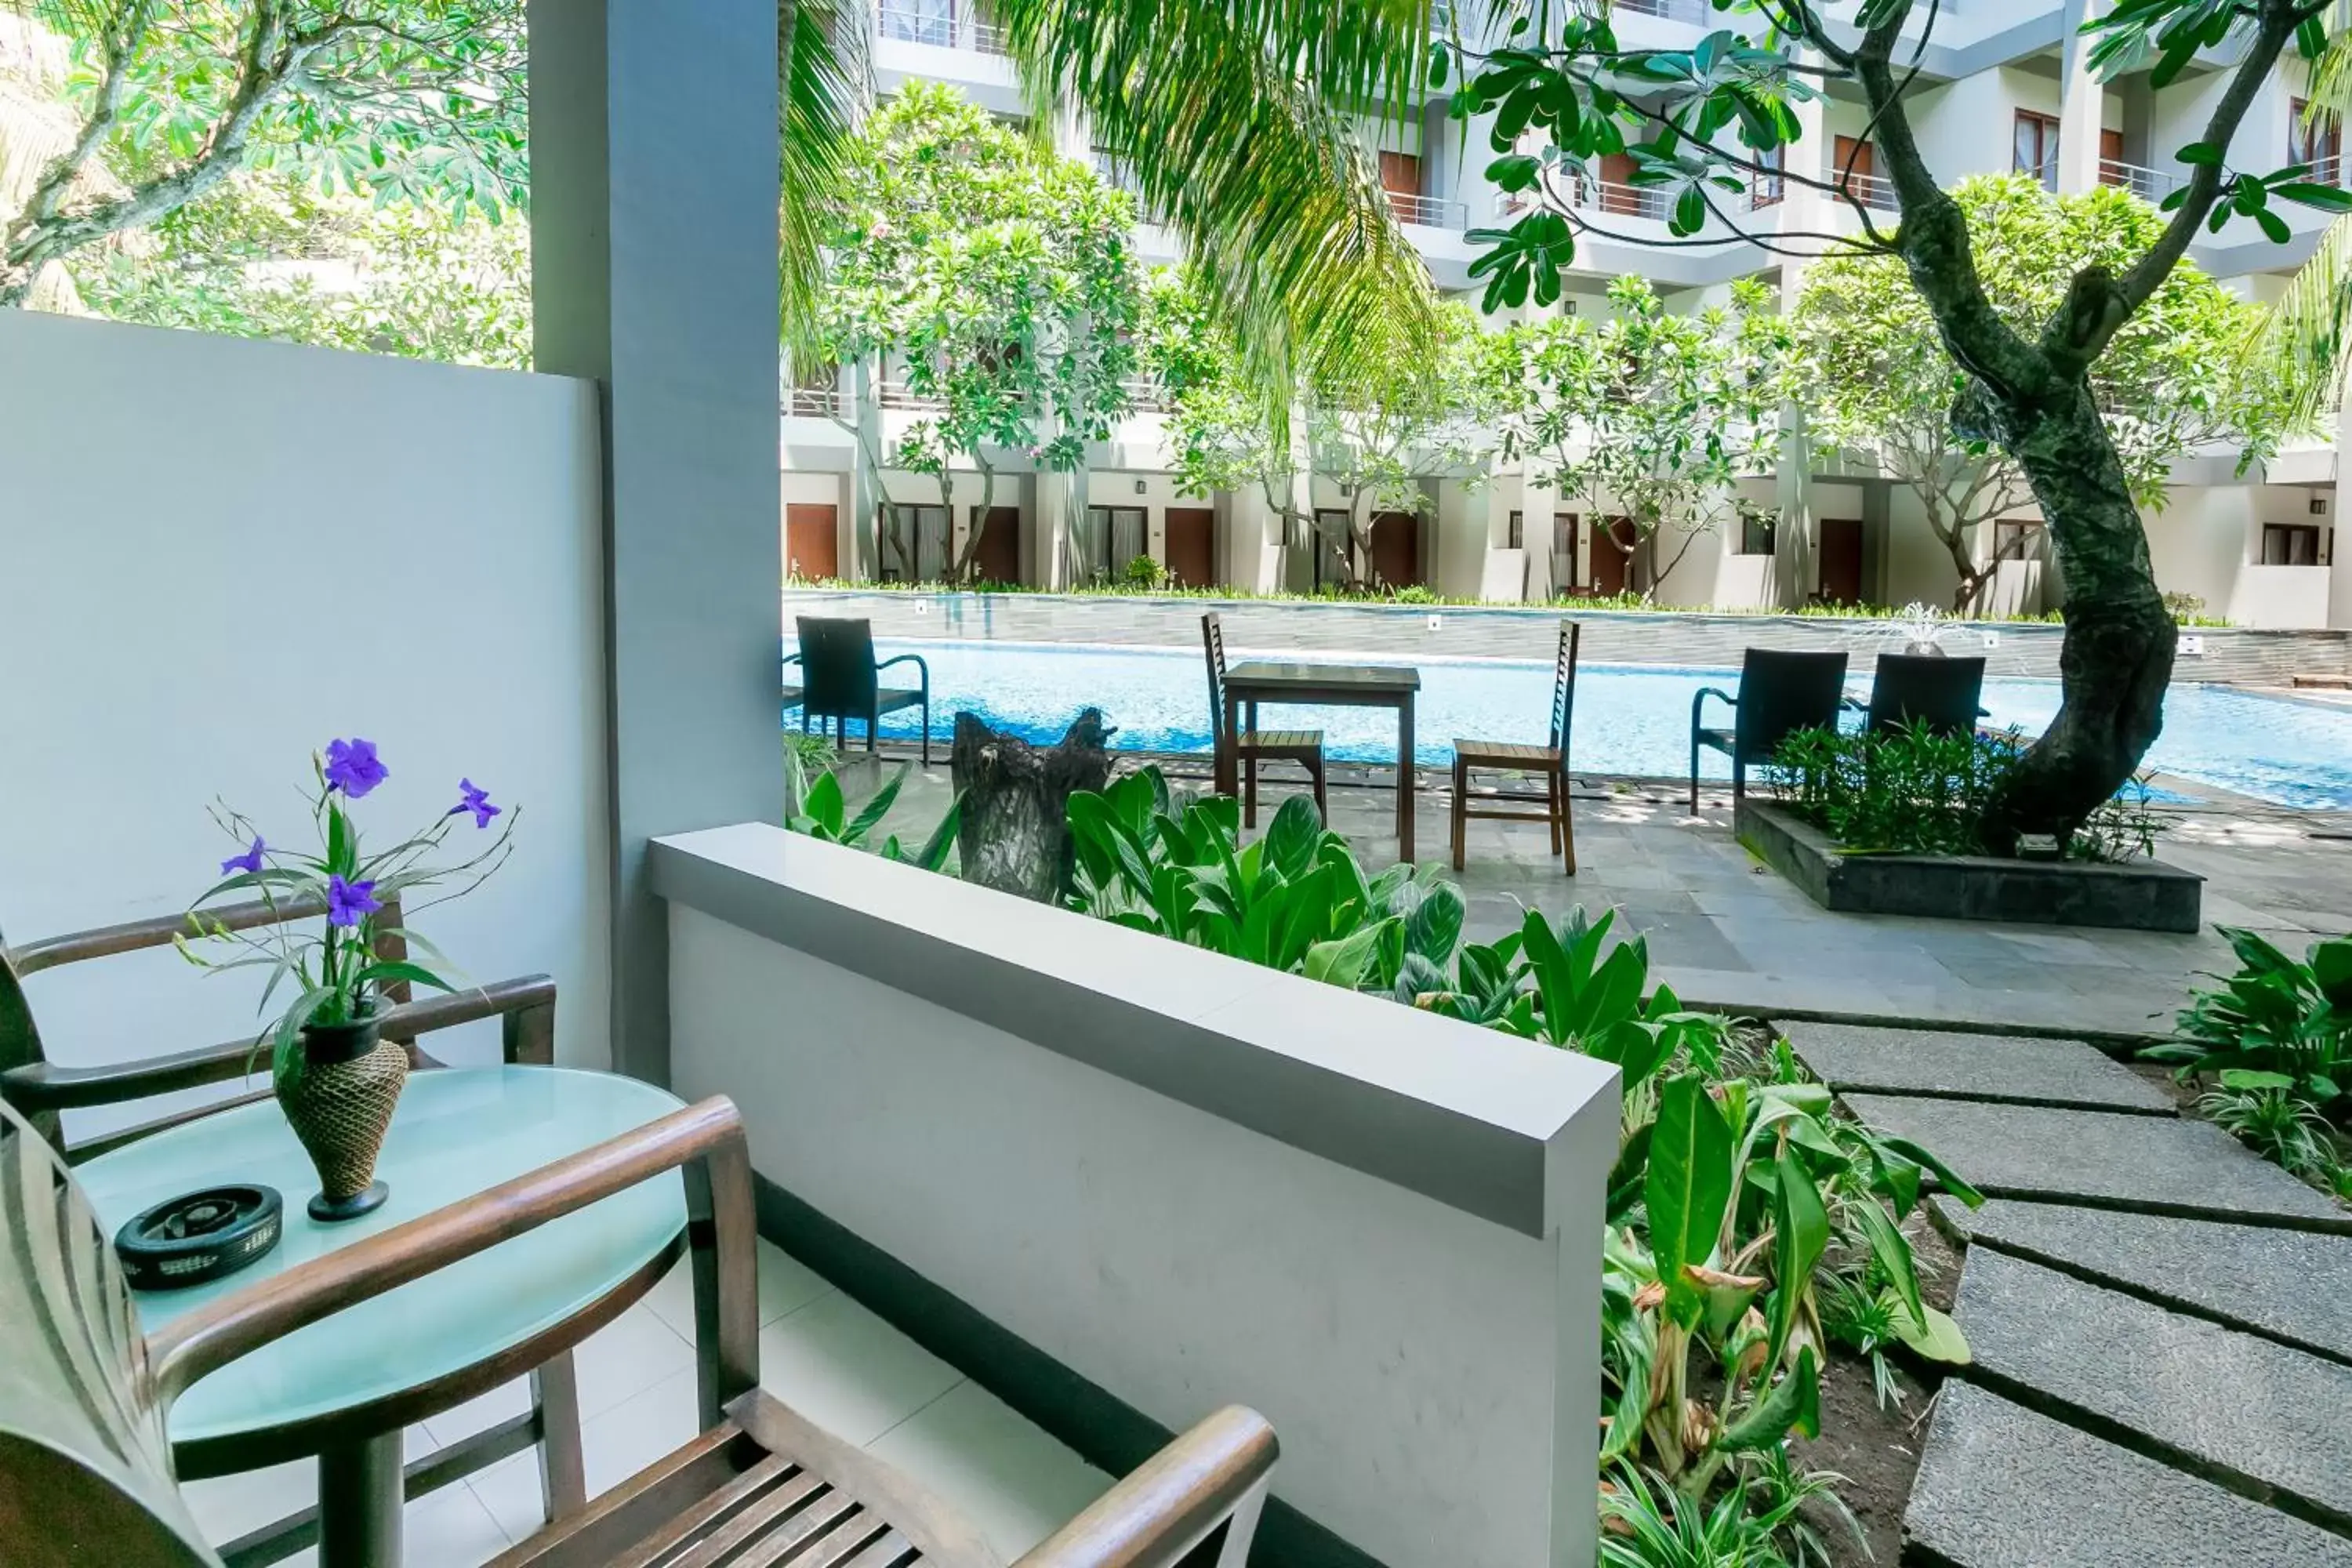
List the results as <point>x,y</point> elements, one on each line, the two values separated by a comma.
<point>133,936</point>
<point>527,1007</point>
<point>1215,1472</point>
<point>37,1086</point>
<point>707,1138</point>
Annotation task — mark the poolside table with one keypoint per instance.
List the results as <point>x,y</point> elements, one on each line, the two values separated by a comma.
<point>1331,686</point>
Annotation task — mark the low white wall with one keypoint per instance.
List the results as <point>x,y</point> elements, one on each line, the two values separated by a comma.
<point>1188,1179</point>
<point>216,556</point>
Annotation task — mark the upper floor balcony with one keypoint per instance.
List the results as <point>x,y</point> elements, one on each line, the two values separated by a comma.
<point>942,24</point>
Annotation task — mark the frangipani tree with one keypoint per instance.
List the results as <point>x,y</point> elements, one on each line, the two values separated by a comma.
<point>995,275</point>
<point>414,100</point>
<point>1219,433</point>
<point>1877,379</point>
<point>1646,415</point>
<point>1702,123</point>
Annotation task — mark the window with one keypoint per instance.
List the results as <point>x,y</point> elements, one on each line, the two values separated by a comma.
<point>2290,544</point>
<point>1114,536</point>
<point>1563,547</point>
<point>1519,534</point>
<point>2321,146</point>
<point>2016,539</point>
<point>925,530</point>
<point>920,21</point>
<point>2036,150</point>
<point>1758,527</point>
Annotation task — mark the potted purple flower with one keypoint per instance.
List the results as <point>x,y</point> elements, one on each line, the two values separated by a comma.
<point>335,1077</point>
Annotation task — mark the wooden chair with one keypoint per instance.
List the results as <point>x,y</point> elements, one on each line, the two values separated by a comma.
<point>86,1476</point>
<point>1780,693</point>
<point>841,679</point>
<point>1551,760</point>
<point>1933,692</point>
<point>1240,748</point>
<point>41,1090</point>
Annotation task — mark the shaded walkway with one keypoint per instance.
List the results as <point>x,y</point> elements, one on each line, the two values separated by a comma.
<point>2161,1321</point>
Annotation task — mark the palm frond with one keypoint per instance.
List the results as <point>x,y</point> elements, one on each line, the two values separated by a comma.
<point>822,93</point>
<point>1234,120</point>
<point>2306,336</point>
<point>2330,92</point>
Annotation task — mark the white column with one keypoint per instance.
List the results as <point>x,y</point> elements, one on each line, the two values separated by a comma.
<point>2080,101</point>
<point>2340,568</point>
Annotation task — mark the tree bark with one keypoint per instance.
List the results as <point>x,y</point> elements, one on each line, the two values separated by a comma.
<point>1015,832</point>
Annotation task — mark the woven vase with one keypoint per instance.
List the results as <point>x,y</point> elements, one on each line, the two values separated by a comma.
<point>339,1105</point>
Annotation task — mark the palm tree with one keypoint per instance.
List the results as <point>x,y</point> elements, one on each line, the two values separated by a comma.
<point>1234,119</point>
<point>2308,332</point>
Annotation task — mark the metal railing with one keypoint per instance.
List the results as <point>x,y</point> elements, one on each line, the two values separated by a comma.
<point>2148,185</point>
<point>1696,12</point>
<point>1430,212</point>
<point>1871,190</point>
<point>813,402</point>
<point>1144,395</point>
<point>942,24</point>
<point>898,395</point>
<point>1614,200</point>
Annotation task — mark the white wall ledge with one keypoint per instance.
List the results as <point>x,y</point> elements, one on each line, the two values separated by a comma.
<point>1465,1115</point>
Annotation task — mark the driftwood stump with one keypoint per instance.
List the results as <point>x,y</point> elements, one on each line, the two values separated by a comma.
<point>1015,833</point>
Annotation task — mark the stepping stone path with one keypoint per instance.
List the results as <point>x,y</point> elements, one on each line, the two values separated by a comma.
<point>2161,1320</point>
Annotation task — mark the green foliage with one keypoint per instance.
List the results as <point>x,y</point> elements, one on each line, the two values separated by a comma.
<point>1911,792</point>
<point>262,256</point>
<point>1645,413</point>
<point>418,102</point>
<point>997,274</point>
<point>1144,575</point>
<point>1755,1523</point>
<point>823,813</point>
<point>1732,1192</point>
<point>2275,1038</point>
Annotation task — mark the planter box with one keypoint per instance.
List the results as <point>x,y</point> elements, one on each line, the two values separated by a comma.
<point>2145,896</point>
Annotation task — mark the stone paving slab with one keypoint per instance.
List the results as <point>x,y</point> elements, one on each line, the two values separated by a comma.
<point>2232,1402</point>
<point>2003,1067</point>
<point>2154,1165</point>
<point>2001,1487</point>
<point>2291,1285</point>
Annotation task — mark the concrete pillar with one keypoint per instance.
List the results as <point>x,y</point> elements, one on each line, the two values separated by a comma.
<point>2081,98</point>
<point>1792,537</point>
<point>1803,209</point>
<point>865,484</point>
<point>653,197</point>
<point>2340,567</point>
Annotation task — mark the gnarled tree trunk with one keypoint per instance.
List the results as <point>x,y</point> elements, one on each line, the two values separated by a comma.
<point>1015,833</point>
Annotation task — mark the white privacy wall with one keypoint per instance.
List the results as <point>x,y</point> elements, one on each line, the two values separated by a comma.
<point>216,556</point>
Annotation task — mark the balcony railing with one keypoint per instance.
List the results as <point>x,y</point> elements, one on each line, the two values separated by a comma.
<point>1696,12</point>
<point>1144,395</point>
<point>1607,198</point>
<point>899,395</point>
<point>1871,190</point>
<point>1430,212</point>
<point>941,24</point>
<point>813,402</point>
<point>2148,185</point>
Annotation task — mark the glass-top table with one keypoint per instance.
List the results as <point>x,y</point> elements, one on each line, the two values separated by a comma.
<point>457,1131</point>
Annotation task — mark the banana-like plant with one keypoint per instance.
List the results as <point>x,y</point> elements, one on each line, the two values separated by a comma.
<point>822,813</point>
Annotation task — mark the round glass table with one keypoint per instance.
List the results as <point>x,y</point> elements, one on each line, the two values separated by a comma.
<point>344,1386</point>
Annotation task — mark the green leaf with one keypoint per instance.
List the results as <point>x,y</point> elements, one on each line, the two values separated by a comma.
<point>2199,152</point>
<point>387,972</point>
<point>2250,1079</point>
<point>1687,1187</point>
<point>1891,1250</point>
<point>1435,927</point>
<point>2331,967</point>
<point>1933,1334</point>
<point>1800,1225</point>
<point>824,806</point>
<point>1793,1405</point>
<point>1293,837</point>
<point>2274,226</point>
<point>1344,963</point>
<point>870,817</point>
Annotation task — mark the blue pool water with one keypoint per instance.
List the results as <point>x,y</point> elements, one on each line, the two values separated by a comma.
<point>1629,720</point>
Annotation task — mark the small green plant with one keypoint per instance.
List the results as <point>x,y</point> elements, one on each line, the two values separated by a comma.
<point>1144,575</point>
<point>823,813</point>
<point>1755,1523</point>
<point>1913,791</point>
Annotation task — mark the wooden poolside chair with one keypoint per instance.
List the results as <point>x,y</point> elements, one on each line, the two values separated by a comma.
<point>1551,761</point>
<point>41,1090</point>
<point>1241,746</point>
<point>1933,692</point>
<point>1780,693</point>
<point>842,680</point>
<point>85,1477</point>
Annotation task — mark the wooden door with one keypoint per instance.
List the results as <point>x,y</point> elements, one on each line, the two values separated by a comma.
<point>1190,547</point>
<point>1860,181</point>
<point>1842,560</point>
<point>2111,158</point>
<point>1401,173</point>
<point>812,539</point>
<point>1618,195</point>
<point>998,557</point>
<point>1613,548</point>
<point>1396,549</point>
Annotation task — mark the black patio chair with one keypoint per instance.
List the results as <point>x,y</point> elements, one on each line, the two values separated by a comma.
<point>842,680</point>
<point>1927,691</point>
<point>1780,693</point>
<point>1239,751</point>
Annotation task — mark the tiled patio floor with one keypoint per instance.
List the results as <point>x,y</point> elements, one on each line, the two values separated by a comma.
<point>821,1353</point>
<point>1723,929</point>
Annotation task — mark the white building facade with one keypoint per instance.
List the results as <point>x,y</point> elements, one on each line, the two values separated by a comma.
<point>2009,90</point>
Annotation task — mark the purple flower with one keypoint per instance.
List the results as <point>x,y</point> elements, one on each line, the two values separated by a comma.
<point>352,767</point>
<point>248,862</point>
<point>475,800</point>
<point>347,901</point>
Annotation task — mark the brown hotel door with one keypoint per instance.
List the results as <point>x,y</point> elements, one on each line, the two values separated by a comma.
<point>1840,560</point>
<point>998,558</point>
<point>1396,549</point>
<point>1612,546</point>
<point>1192,534</point>
<point>811,541</point>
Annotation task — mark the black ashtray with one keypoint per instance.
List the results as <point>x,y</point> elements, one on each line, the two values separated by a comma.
<point>187,1241</point>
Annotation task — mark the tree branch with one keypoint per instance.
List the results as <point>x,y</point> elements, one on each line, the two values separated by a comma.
<point>105,111</point>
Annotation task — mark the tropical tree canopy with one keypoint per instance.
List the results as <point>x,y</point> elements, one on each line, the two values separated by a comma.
<point>1647,415</point>
<point>1877,379</point>
<point>418,100</point>
<point>995,277</point>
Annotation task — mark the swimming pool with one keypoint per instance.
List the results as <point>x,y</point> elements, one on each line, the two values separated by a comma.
<point>1629,720</point>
